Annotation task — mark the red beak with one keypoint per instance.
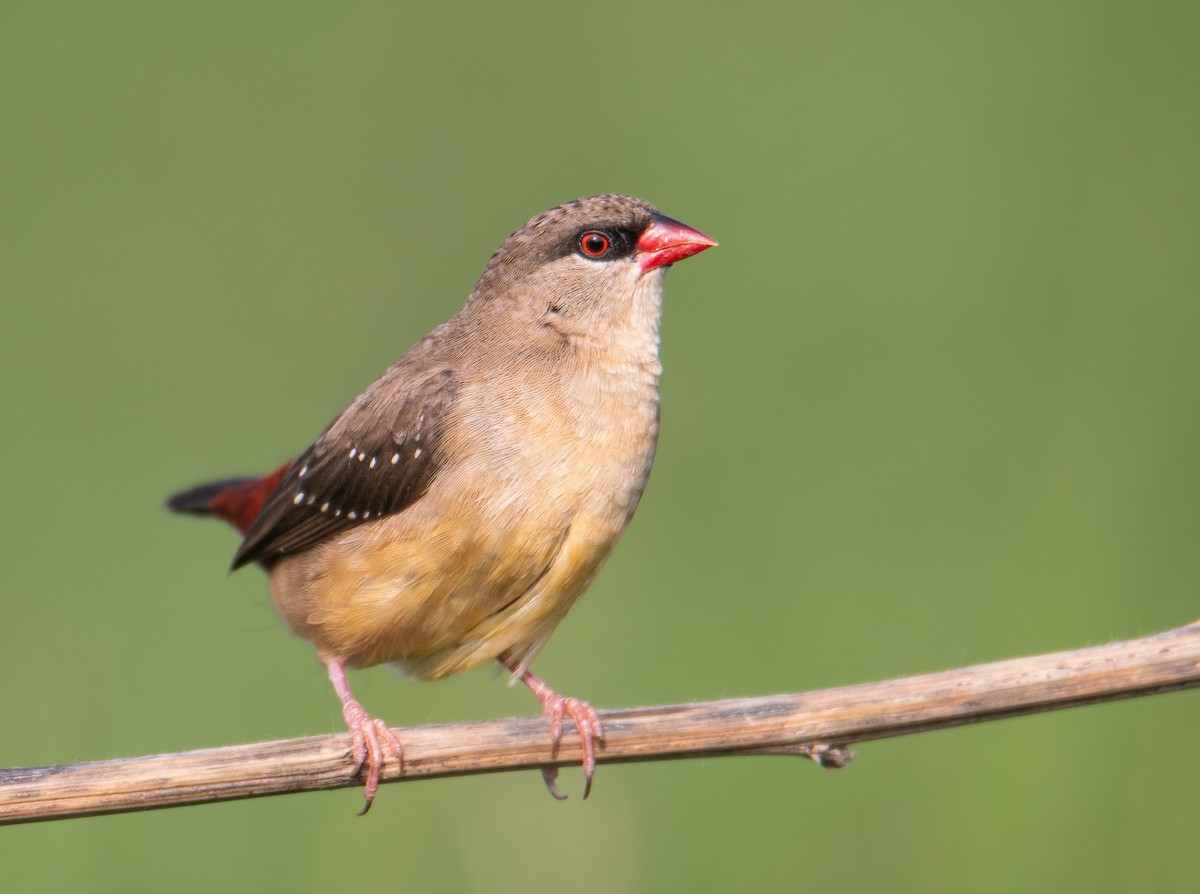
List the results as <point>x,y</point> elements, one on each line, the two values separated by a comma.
<point>666,241</point>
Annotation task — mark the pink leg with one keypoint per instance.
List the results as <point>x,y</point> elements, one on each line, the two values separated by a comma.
<point>370,736</point>
<point>555,706</point>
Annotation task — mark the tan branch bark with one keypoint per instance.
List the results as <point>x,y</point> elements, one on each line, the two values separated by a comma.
<point>815,724</point>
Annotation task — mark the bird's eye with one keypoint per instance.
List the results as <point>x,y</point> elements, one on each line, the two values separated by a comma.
<point>594,245</point>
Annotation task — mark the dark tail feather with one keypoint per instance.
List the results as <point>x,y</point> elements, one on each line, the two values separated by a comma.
<point>235,500</point>
<point>199,500</point>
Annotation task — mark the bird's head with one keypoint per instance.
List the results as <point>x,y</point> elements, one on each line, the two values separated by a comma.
<point>590,268</point>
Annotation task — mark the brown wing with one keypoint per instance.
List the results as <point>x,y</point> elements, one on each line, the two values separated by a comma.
<point>375,459</point>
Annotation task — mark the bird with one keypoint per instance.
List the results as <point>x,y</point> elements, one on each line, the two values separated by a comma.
<point>453,513</point>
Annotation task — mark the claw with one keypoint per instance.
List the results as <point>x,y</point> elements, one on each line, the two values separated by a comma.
<point>550,777</point>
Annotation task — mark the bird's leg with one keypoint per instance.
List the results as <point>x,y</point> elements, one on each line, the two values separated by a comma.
<point>584,717</point>
<point>370,736</point>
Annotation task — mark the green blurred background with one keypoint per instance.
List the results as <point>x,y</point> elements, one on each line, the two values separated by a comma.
<point>932,402</point>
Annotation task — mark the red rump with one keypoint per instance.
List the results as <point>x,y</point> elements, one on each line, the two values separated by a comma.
<point>241,502</point>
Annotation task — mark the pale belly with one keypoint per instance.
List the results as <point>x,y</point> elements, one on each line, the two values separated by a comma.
<point>451,583</point>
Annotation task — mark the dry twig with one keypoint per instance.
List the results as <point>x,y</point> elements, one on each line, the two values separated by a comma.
<point>814,724</point>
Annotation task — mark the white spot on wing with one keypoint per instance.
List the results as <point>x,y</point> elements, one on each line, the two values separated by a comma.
<point>395,458</point>
<point>303,472</point>
<point>325,507</point>
<point>372,463</point>
<point>417,453</point>
<point>351,514</point>
<point>299,498</point>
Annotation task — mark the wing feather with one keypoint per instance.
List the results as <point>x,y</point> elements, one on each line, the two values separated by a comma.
<point>375,459</point>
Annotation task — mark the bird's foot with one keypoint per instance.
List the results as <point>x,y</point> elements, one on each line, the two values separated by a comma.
<point>584,718</point>
<point>369,736</point>
<point>591,732</point>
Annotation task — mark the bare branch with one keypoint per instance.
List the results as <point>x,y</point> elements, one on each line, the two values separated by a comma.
<point>814,724</point>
